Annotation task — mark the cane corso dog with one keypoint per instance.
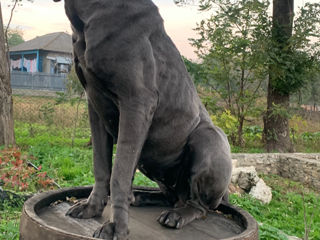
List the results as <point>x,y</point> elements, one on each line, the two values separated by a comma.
<point>141,98</point>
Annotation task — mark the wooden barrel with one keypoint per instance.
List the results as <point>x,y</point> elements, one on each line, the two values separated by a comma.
<point>43,218</point>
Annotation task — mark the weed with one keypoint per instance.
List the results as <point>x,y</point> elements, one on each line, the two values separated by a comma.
<point>9,221</point>
<point>16,174</point>
<point>47,141</point>
<point>141,180</point>
<point>267,232</point>
<point>228,123</point>
<point>68,117</point>
<point>285,211</point>
<point>47,113</point>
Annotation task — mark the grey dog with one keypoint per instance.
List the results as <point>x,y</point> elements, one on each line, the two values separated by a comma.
<point>141,98</point>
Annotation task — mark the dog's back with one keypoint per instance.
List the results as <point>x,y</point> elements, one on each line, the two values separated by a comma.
<point>124,38</point>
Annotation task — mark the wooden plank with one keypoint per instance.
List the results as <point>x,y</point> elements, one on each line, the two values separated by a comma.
<point>143,224</point>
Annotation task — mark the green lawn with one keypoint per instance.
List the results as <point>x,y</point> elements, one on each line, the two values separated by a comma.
<point>52,149</point>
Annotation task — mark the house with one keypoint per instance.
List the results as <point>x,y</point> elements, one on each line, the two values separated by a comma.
<point>50,53</point>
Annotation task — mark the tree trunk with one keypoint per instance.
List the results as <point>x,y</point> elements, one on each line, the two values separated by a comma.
<point>240,141</point>
<point>276,122</point>
<point>6,115</point>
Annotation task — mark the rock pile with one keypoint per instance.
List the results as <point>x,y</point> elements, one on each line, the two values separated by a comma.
<point>246,179</point>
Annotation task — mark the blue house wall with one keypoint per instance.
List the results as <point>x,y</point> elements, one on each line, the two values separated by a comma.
<point>21,56</point>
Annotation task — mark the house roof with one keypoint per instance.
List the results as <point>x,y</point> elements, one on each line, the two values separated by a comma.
<point>55,42</point>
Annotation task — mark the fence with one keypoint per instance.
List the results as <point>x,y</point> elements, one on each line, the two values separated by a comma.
<point>38,81</point>
<point>39,111</point>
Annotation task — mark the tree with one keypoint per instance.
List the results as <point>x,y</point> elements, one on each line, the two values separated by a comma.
<point>232,47</point>
<point>15,37</point>
<point>7,137</point>
<point>314,88</point>
<point>276,121</point>
<point>184,2</point>
<point>194,69</point>
<point>291,47</point>
<point>292,55</point>
<point>6,105</point>
<point>310,93</point>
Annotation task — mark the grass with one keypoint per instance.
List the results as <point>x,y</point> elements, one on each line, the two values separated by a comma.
<point>47,115</point>
<point>49,111</point>
<point>10,220</point>
<point>44,131</point>
<point>285,211</point>
<point>69,166</point>
<point>72,166</point>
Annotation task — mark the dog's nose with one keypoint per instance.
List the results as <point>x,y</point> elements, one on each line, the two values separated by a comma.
<point>56,0</point>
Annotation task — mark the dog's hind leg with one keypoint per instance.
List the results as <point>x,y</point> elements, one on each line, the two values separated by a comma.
<point>154,197</point>
<point>102,143</point>
<point>210,173</point>
<point>150,198</point>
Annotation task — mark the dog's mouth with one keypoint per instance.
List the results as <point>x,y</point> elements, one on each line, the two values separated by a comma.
<point>56,0</point>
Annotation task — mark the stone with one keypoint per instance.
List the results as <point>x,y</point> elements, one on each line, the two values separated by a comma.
<point>295,166</point>
<point>235,189</point>
<point>234,163</point>
<point>236,172</point>
<point>261,192</point>
<point>245,177</point>
<point>293,238</point>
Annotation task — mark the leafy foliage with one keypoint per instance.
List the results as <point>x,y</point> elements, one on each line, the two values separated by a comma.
<point>228,123</point>
<point>240,47</point>
<point>9,221</point>
<point>194,69</point>
<point>267,232</point>
<point>47,113</point>
<point>15,37</point>
<point>74,94</point>
<point>51,148</point>
<point>285,211</point>
<point>17,174</point>
<point>232,45</point>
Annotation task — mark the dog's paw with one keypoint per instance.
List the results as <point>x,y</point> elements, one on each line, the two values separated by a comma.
<point>171,219</point>
<point>179,217</point>
<point>85,209</point>
<point>107,231</point>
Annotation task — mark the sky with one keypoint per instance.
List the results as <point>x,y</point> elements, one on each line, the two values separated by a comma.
<point>45,16</point>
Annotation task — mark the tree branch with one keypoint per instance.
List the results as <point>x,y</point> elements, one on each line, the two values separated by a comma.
<point>9,22</point>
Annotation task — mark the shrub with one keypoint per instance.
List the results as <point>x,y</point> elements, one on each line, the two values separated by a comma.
<point>253,134</point>
<point>228,123</point>
<point>17,174</point>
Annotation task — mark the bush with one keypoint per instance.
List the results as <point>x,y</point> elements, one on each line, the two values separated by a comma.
<point>228,123</point>
<point>252,134</point>
<point>9,221</point>
<point>17,174</point>
<point>285,211</point>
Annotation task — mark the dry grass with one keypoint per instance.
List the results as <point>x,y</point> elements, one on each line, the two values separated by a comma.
<point>44,110</point>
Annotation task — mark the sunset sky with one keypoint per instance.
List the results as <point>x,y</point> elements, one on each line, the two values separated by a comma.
<point>45,16</point>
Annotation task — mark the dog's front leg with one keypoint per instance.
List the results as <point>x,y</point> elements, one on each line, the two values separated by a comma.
<point>135,120</point>
<point>102,143</point>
